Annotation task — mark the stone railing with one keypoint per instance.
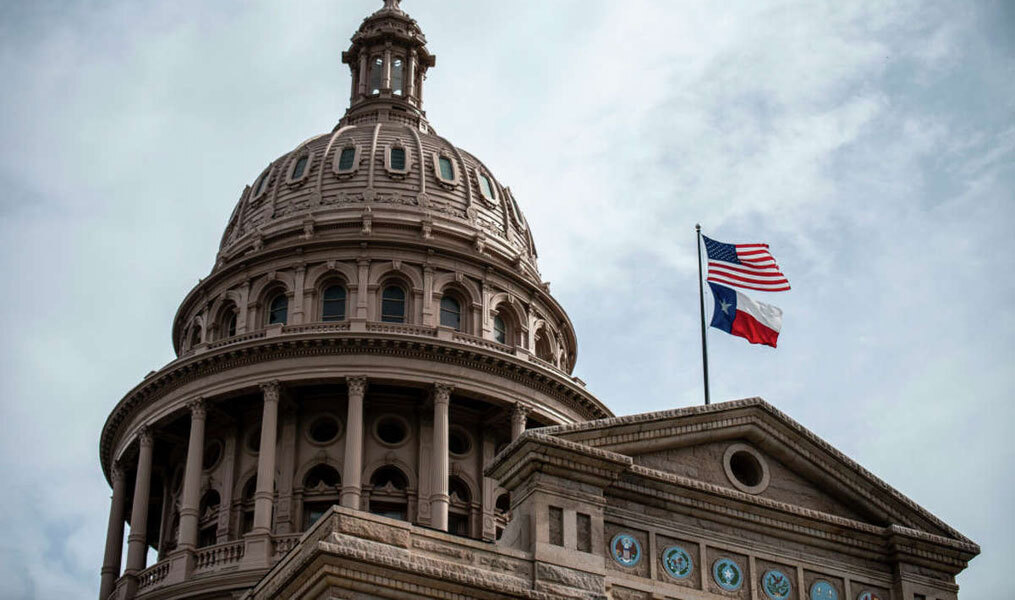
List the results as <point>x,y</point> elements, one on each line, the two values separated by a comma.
<point>236,339</point>
<point>281,544</point>
<point>401,328</point>
<point>216,556</point>
<point>471,340</point>
<point>316,327</point>
<point>153,575</point>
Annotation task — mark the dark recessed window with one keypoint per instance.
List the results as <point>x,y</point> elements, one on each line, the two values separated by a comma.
<point>195,337</point>
<point>254,440</point>
<point>393,305</point>
<point>262,184</point>
<point>212,454</point>
<point>322,474</point>
<point>447,169</point>
<point>485,186</point>
<point>746,468</point>
<point>300,167</point>
<point>376,74</point>
<point>392,510</point>
<point>499,330</point>
<point>396,77</point>
<point>459,442</point>
<point>458,524</point>
<point>231,324</point>
<point>391,430</point>
<point>398,159</point>
<point>451,313</point>
<point>388,474</point>
<point>279,310</point>
<point>458,488</point>
<point>503,504</point>
<point>333,306</point>
<point>347,159</point>
<point>312,511</point>
<point>323,429</point>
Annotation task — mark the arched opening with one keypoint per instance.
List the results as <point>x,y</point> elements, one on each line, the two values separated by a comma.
<point>208,519</point>
<point>299,167</point>
<point>543,349</point>
<point>376,74</point>
<point>502,513</point>
<point>460,507</point>
<point>397,69</point>
<point>333,303</point>
<point>321,488</point>
<point>195,336</point>
<point>389,495</point>
<point>227,324</point>
<point>393,304</point>
<point>247,505</point>
<point>451,312</point>
<point>278,309</point>
<point>500,330</point>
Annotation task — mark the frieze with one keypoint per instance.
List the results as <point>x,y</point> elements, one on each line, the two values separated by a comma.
<point>442,549</point>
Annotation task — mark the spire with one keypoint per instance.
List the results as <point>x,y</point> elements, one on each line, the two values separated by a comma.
<point>388,61</point>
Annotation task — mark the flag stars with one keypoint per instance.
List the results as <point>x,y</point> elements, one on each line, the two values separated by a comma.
<point>725,307</point>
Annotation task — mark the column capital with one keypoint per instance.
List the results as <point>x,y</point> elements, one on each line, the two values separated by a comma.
<point>116,473</point>
<point>357,384</point>
<point>144,436</point>
<point>270,390</point>
<point>198,408</point>
<point>442,393</point>
<point>520,411</point>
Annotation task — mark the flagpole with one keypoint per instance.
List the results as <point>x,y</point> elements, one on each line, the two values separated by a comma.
<point>701,302</point>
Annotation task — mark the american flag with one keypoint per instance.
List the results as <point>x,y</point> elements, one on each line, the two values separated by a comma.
<point>749,266</point>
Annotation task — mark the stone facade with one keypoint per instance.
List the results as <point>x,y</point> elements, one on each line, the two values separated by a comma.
<point>373,398</point>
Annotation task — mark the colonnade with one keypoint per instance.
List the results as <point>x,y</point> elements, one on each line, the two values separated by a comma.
<point>260,534</point>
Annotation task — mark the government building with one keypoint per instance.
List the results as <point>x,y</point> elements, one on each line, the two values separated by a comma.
<point>372,399</point>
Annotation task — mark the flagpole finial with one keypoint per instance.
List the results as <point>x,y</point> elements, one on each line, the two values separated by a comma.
<point>697,226</point>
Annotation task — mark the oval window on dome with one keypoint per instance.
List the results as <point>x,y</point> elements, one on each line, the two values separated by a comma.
<point>347,159</point>
<point>299,168</point>
<point>445,169</point>
<point>262,184</point>
<point>486,187</point>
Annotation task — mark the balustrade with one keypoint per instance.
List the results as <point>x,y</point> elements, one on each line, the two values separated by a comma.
<point>216,556</point>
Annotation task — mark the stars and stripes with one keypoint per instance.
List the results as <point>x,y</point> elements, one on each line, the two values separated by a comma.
<point>749,266</point>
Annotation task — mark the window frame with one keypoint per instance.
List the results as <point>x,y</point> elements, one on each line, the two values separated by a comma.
<point>448,183</point>
<point>345,300</point>
<point>269,307</point>
<point>290,178</point>
<point>336,165</point>
<point>405,302</point>
<point>397,173</point>
<point>482,174</point>
<point>262,184</point>
<point>452,297</point>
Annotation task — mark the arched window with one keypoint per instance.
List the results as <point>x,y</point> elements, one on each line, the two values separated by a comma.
<point>321,487</point>
<point>396,76</point>
<point>333,303</point>
<point>247,504</point>
<point>499,329</point>
<point>229,326</point>
<point>208,519</point>
<point>300,167</point>
<point>459,510</point>
<point>347,160</point>
<point>195,336</point>
<point>388,496</point>
<point>543,349</point>
<point>278,309</point>
<point>447,168</point>
<point>398,159</point>
<point>393,304</point>
<point>262,183</point>
<point>451,313</point>
<point>486,187</point>
<point>376,74</point>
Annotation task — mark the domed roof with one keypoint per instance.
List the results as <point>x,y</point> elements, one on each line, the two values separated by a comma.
<point>383,156</point>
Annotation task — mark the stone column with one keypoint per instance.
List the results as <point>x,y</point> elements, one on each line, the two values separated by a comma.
<point>265,495</point>
<point>518,418</point>
<point>489,527</point>
<point>439,499</point>
<point>361,288</point>
<point>409,81</point>
<point>362,74</point>
<point>191,497</point>
<point>386,85</point>
<point>352,469</point>
<point>114,533</point>
<point>136,548</point>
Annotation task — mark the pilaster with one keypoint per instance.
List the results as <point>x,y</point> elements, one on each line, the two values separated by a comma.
<point>439,500</point>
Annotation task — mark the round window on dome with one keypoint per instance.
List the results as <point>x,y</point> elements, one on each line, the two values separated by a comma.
<point>391,430</point>
<point>253,440</point>
<point>746,468</point>
<point>459,441</point>
<point>212,454</point>
<point>323,429</point>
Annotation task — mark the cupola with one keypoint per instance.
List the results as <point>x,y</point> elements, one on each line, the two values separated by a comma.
<point>388,60</point>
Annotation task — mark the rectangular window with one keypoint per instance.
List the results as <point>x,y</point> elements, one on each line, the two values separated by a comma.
<point>447,169</point>
<point>584,533</point>
<point>396,77</point>
<point>458,524</point>
<point>556,526</point>
<point>345,162</point>
<point>398,159</point>
<point>301,166</point>
<point>484,183</point>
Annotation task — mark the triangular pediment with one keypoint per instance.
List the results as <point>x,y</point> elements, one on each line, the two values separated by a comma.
<point>754,451</point>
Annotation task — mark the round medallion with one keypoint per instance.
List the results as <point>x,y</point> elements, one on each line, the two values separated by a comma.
<point>677,562</point>
<point>727,574</point>
<point>626,549</point>
<point>776,585</point>
<point>822,590</point>
<point>868,595</point>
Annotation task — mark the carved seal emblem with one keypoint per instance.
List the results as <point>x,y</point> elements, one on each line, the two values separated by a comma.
<point>677,562</point>
<point>626,549</point>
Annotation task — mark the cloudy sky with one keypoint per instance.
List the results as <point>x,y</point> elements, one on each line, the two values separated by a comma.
<point>872,144</point>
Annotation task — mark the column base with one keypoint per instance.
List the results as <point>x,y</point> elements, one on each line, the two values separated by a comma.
<point>181,565</point>
<point>257,550</point>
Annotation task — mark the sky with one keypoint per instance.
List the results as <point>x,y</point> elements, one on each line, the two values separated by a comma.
<point>870,143</point>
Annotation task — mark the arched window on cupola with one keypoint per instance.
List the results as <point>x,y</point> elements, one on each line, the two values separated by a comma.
<point>393,304</point>
<point>376,74</point>
<point>208,519</point>
<point>333,303</point>
<point>397,70</point>
<point>278,309</point>
<point>321,488</point>
<point>389,493</point>
<point>451,312</point>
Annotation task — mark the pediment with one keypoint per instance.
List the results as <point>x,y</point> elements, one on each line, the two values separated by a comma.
<point>801,471</point>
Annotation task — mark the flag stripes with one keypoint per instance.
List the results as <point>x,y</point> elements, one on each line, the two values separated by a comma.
<point>748,266</point>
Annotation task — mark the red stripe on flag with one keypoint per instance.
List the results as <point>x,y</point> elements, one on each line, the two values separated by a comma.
<point>749,328</point>
<point>748,279</point>
<point>781,288</point>
<point>747,269</point>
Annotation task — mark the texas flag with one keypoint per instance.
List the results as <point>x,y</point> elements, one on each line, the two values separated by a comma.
<point>735,313</point>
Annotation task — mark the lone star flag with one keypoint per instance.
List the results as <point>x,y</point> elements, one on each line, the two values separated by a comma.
<point>735,313</point>
<point>749,266</point>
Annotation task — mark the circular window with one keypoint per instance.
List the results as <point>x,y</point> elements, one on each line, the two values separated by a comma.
<point>726,572</point>
<point>626,549</point>
<point>253,440</point>
<point>323,429</point>
<point>776,585</point>
<point>677,562</point>
<point>459,442</point>
<point>391,430</point>
<point>746,468</point>
<point>212,454</point>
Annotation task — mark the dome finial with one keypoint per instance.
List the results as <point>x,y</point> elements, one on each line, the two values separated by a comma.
<point>392,4</point>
